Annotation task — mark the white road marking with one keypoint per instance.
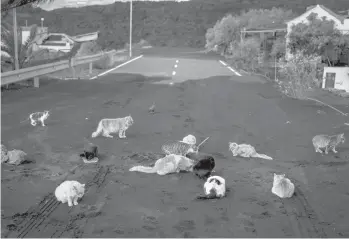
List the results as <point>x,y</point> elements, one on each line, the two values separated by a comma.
<point>231,69</point>
<point>176,66</point>
<point>237,73</point>
<point>223,63</point>
<point>125,63</point>
<point>177,61</point>
<point>173,73</point>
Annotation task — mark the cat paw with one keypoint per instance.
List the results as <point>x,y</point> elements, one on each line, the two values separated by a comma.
<point>70,204</point>
<point>76,203</point>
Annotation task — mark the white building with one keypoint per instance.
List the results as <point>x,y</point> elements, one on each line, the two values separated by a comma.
<point>341,22</point>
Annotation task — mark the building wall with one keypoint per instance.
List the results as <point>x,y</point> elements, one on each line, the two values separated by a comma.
<point>341,78</point>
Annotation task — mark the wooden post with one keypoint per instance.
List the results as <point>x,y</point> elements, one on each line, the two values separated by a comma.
<point>90,68</point>
<point>15,37</point>
<point>36,82</point>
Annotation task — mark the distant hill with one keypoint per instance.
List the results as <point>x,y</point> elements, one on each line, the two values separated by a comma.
<point>160,23</point>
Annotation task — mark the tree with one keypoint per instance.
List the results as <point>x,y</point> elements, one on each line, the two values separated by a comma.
<point>25,51</point>
<point>278,49</point>
<point>299,74</point>
<point>245,54</point>
<point>318,37</point>
<point>227,31</point>
<point>224,32</point>
<point>9,4</point>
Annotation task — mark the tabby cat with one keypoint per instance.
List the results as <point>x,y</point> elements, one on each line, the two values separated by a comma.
<point>282,186</point>
<point>38,117</point>
<point>246,151</point>
<point>214,187</point>
<point>169,164</point>
<point>179,148</point>
<point>108,126</point>
<point>327,142</point>
<point>182,147</point>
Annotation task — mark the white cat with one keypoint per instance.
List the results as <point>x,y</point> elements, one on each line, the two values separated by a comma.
<point>246,151</point>
<point>169,164</point>
<point>38,117</point>
<point>282,187</point>
<point>214,187</point>
<point>70,191</point>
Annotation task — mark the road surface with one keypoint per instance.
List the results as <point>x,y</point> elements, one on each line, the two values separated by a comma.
<point>205,99</point>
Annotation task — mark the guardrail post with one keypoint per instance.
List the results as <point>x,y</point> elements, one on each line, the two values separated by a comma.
<point>90,68</point>
<point>36,82</point>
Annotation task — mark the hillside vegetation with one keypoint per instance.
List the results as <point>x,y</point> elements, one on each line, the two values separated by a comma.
<point>160,23</point>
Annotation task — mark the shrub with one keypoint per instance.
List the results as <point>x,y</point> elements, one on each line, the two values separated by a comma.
<point>299,75</point>
<point>244,55</point>
<point>109,60</point>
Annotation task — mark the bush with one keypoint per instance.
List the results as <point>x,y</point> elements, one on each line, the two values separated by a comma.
<point>109,60</point>
<point>299,75</point>
<point>244,55</point>
<point>89,48</point>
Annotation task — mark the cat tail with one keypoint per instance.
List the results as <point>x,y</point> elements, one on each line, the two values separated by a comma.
<point>98,130</point>
<point>143,169</point>
<point>263,156</point>
<point>24,120</point>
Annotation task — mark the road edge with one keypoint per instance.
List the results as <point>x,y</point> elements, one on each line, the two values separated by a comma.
<point>116,67</point>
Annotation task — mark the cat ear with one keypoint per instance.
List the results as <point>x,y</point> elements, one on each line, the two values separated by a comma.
<point>283,175</point>
<point>83,185</point>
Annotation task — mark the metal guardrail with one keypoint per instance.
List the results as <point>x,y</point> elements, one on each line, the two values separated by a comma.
<point>36,71</point>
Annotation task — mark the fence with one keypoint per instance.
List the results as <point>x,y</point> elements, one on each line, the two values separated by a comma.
<point>36,71</point>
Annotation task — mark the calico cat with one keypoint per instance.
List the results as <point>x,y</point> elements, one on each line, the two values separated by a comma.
<point>108,126</point>
<point>90,154</point>
<point>38,117</point>
<point>70,191</point>
<point>282,186</point>
<point>169,164</point>
<point>214,187</point>
<point>246,151</point>
<point>204,164</point>
<point>327,142</point>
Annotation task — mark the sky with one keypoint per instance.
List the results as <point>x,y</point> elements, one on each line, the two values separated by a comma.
<point>65,3</point>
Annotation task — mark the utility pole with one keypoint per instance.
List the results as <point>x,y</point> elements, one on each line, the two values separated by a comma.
<point>15,36</point>
<point>130,50</point>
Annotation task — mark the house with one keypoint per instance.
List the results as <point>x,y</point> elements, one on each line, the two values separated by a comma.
<point>341,21</point>
<point>336,77</point>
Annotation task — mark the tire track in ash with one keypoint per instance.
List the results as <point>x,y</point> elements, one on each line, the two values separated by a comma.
<point>32,220</point>
<point>304,220</point>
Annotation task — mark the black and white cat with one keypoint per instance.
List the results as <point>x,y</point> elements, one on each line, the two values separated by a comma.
<point>214,187</point>
<point>38,117</point>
